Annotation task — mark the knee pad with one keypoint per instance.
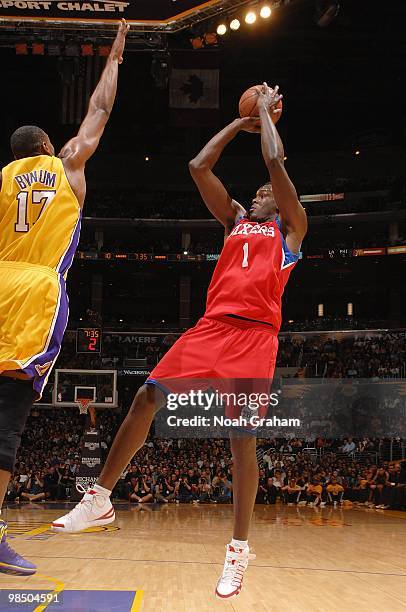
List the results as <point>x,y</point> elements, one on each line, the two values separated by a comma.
<point>16,399</point>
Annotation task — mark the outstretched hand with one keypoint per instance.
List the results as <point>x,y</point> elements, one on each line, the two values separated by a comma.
<point>117,49</point>
<point>268,98</point>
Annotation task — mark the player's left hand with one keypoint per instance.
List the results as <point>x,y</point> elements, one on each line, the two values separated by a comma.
<point>117,49</point>
<point>268,98</point>
<point>250,124</point>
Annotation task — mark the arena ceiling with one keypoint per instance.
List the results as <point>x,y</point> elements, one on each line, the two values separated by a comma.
<point>143,15</point>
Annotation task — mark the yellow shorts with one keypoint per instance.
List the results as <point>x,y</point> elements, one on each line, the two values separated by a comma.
<point>33,318</point>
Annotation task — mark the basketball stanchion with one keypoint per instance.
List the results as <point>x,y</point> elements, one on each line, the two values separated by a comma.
<point>90,466</point>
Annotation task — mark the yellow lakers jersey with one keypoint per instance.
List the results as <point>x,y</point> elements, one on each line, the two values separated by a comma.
<point>39,214</point>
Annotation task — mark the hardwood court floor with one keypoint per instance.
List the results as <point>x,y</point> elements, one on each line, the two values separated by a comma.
<point>307,560</point>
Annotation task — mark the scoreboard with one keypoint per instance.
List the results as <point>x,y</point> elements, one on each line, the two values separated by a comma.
<point>88,340</point>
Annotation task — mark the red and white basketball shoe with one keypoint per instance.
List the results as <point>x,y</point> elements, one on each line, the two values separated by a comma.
<point>230,583</point>
<point>94,510</point>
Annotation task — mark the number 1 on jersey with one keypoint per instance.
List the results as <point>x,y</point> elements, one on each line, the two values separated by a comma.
<point>245,259</point>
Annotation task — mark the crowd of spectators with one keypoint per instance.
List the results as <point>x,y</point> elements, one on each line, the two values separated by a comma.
<point>359,355</point>
<point>292,471</point>
<point>50,454</point>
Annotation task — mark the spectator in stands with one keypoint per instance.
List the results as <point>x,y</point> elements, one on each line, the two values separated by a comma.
<point>222,488</point>
<point>139,491</point>
<point>285,448</point>
<point>14,488</point>
<point>291,492</point>
<point>382,489</point>
<point>275,484</point>
<point>184,492</point>
<point>204,491</point>
<point>193,480</point>
<point>262,493</point>
<point>314,493</point>
<point>349,446</point>
<point>51,480</point>
<point>164,489</point>
<point>335,492</point>
<point>33,489</point>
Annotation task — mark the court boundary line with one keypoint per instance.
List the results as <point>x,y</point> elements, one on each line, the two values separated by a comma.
<point>174,562</point>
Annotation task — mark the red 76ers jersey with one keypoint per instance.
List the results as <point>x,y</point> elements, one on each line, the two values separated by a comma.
<point>251,274</point>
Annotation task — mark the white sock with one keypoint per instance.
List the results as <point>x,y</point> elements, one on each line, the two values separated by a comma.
<point>101,490</point>
<point>239,543</point>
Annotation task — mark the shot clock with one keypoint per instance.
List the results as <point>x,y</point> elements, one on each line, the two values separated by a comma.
<point>88,340</point>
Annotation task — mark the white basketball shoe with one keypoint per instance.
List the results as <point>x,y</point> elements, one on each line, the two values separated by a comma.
<point>94,510</point>
<point>230,582</point>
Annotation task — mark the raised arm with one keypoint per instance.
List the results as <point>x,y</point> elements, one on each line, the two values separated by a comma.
<point>212,190</point>
<point>293,216</point>
<point>79,149</point>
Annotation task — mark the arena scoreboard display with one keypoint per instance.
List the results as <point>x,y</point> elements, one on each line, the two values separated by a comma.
<point>88,340</point>
<point>153,12</point>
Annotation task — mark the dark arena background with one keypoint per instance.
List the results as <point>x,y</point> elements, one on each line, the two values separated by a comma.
<point>147,251</point>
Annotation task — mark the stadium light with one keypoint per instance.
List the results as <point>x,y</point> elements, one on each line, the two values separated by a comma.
<point>350,309</point>
<point>250,17</point>
<point>266,11</point>
<point>197,42</point>
<point>320,310</point>
<point>222,29</point>
<point>235,24</point>
<point>210,38</point>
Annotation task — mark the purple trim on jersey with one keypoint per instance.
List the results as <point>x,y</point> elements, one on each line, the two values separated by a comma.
<point>67,259</point>
<point>51,351</point>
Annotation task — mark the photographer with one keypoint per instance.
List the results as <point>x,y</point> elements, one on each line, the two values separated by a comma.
<point>51,482</point>
<point>139,490</point>
<point>34,487</point>
<point>222,488</point>
<point>164,490</point>
<point>204,491</point>
<point>184,491</point>
<point>13,489</point>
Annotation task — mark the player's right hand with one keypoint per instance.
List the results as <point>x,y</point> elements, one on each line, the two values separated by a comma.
<point>250,124</point>
<point>117,49</point>
<point>269,98</point>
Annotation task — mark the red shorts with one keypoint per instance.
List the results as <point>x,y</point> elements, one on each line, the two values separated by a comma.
<point>228,354</point>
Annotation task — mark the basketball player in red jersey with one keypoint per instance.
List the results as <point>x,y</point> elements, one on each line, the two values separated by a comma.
<point>236,338</point>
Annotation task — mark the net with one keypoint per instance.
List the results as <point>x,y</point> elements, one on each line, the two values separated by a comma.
<point>83,403</point>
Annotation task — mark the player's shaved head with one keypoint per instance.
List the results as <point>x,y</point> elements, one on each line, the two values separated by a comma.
<point>267,187</point>
<point>30,140</point>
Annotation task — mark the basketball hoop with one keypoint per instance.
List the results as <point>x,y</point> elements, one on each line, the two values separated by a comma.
<point>85,407</point>
<point>83,403</point>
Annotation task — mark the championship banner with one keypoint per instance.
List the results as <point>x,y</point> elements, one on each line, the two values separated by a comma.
<point>194,88</point>
<point>90,467</point>
<point>152,12</point>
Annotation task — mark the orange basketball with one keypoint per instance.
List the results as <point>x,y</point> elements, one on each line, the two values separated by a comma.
<point>248,104</point>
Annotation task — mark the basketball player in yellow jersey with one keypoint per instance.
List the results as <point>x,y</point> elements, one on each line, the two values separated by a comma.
<point>41,200</point>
